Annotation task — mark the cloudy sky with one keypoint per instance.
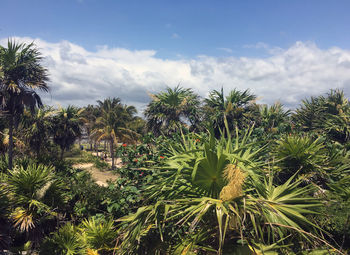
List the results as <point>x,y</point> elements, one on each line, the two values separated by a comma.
<point>281,50</point>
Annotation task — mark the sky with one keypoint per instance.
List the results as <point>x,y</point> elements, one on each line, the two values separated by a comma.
<point>282,51</point>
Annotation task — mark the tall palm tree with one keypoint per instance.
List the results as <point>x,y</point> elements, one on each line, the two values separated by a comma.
<point>237,108</point>
<point>170,110</point>
<point>21,74</point>
<point>66,127</point>
<point>88,117</point>
<point>112,124</point>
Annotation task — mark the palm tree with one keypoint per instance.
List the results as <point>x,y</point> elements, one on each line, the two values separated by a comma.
<point>237,108</point>
<point>112,124</point>
<point>88,117</point>
<point>34,195</point>
<point>273,117</point>
<point>325,113</point>
<point>66,127</point>
<point>38,127</point>
<point>170,110</point>
<point>21,74</point>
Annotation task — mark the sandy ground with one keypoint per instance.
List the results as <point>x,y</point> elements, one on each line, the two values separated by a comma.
<point>100,177</point>
<point>117,161</point>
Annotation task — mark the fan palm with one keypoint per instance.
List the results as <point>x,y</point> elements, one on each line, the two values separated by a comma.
<point>214,194</point>
<point>21,73</point>
<point>170,110</point>
<point>34,192</point>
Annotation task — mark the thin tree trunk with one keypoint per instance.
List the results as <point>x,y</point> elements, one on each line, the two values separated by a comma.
<point>96,148</point>
<point>62,152</point>
<point>112,154</point>
<point>10,152</point>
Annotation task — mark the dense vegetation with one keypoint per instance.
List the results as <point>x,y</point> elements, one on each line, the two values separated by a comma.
<point>220,175</point>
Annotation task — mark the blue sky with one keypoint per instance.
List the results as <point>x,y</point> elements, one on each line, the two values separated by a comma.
<point>281,50</point>
<point>186,27</point>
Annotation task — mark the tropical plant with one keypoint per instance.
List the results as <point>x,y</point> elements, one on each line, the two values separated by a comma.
<point>328,114</point>
<point>216,196</point>
<point>273,117</point>
<point>112,124</point>
<point>66,127</point>
<point>88,117</point>
<point>66,241</point>
<point>34,194</point>
<point>238,108</point>
<point>171,110</point>
<point>37,128</point>
<point>300,154</point>
<point>99,234</point>
<point>21,74</point>
<point>306,118</point>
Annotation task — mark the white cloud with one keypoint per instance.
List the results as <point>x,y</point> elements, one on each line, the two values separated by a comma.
<point>81,77</point>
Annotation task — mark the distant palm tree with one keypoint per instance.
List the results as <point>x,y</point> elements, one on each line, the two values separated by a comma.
<point>273,117</point>
<point>170,110</point>
<point>21,73</point>
<point>238,108</point>
<point>330,114</point>
<point>88,117</point>
<point>112,124</point>
<point>66,127</point>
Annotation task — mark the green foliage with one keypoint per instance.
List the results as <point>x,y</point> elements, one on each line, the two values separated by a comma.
<point>169,110</point>
<point>34,193</point>
<point>200,193</point>
<point>66,127</point>
<point>328,115</point>
<point>20,76</point>
<point>237,108</point>
<point>66,241</point>
<point>255,183</point>
<point>302,154</point>
<point>99,234</point>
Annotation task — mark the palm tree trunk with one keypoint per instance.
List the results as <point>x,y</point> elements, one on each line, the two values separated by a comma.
<point>10,151</point>
<point>112,153</point>
<point>62,152</point>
